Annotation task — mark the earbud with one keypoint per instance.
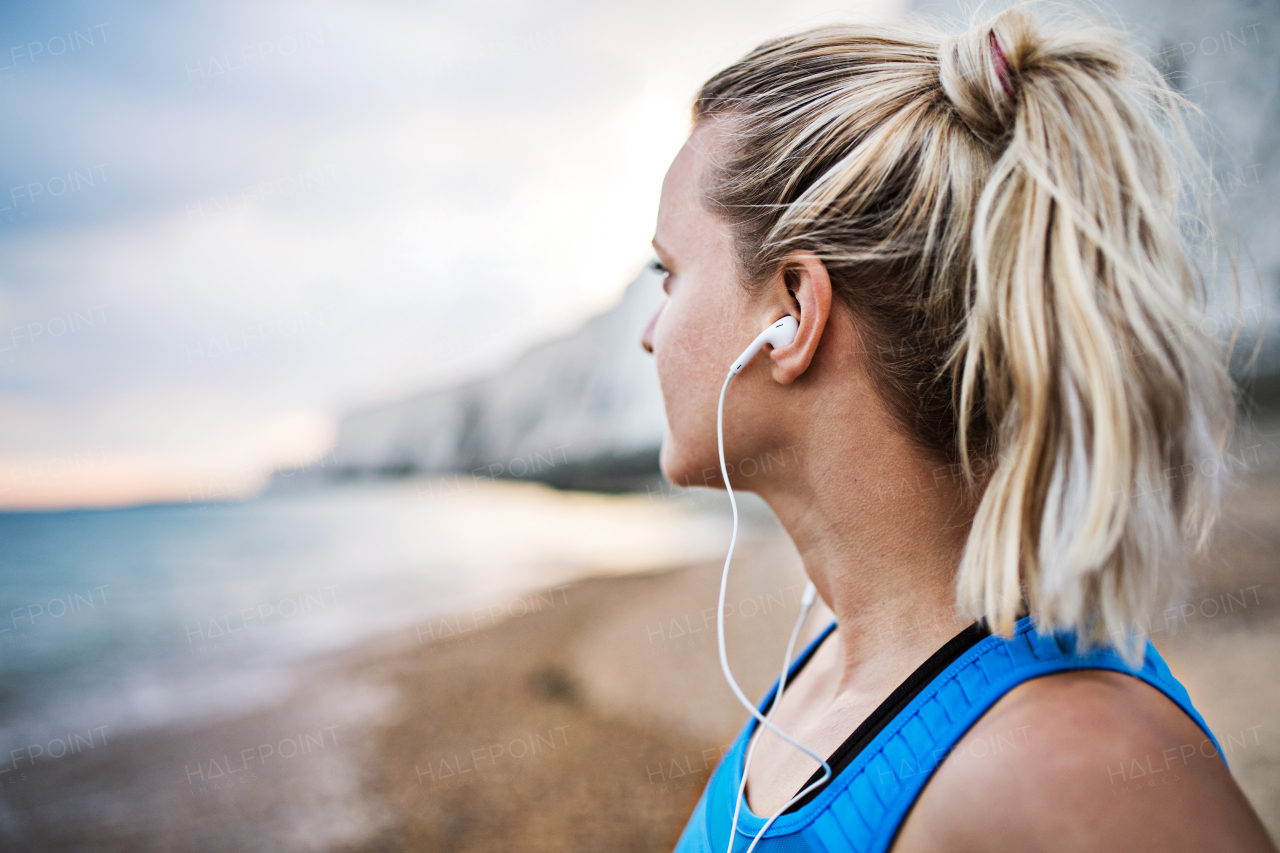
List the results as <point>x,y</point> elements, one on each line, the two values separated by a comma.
<point>779,334</point>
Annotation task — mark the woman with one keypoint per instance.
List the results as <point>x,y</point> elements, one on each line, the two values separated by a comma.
<point>996,418</point>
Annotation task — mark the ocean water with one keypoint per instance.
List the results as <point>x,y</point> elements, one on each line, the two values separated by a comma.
<point>117,620</point>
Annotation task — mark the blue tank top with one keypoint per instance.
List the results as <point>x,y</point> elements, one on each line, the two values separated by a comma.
<point>862,808</point>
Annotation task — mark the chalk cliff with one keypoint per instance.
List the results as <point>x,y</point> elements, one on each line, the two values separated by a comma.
<point>583,411</point>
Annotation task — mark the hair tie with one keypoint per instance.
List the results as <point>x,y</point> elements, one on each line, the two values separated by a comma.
<point>1002,66</point>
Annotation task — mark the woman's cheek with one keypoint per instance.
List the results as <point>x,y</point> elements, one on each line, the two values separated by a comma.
<point>673,379</point>
<point>681,355</point>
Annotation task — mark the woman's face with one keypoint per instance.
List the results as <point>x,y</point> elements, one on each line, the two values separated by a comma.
<point>704,324</point>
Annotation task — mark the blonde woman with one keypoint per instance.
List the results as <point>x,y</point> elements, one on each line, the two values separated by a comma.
<point>979,236</point>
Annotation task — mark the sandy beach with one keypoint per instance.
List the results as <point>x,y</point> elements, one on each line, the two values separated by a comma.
<point>584,717</point>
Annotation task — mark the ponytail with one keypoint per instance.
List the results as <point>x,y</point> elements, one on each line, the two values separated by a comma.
<point>1080,294</point>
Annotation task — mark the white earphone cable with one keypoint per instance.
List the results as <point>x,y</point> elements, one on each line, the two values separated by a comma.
<point>724,658</point>
<point>806,604</point>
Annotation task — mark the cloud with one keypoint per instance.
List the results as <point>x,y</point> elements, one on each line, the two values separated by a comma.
<point>289,199</point>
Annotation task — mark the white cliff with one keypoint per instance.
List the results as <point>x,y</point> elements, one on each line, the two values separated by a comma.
<point>584,410</point>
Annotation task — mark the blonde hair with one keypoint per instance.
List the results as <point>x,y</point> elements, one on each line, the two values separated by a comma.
<point>1002,212</point>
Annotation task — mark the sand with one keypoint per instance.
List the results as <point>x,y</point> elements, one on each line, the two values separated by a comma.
<point>589,721</point>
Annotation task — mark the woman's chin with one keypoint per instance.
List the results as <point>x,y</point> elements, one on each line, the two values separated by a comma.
<point>669,462</point>
<point>679,471</point>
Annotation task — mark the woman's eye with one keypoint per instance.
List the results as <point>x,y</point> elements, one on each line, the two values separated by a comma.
<point>658,267</point>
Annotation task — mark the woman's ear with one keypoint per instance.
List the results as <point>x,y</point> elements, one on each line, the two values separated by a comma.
<point>803,285</point>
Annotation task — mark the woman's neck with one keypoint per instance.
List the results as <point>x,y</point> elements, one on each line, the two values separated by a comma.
<point>881,534</point>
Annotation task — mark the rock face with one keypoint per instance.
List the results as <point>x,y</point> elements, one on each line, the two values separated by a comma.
<point>584,411</point>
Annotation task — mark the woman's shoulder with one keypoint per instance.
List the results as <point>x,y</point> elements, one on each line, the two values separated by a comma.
<point>1083,760</point>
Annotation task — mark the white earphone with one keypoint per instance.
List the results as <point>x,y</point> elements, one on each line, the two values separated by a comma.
<point>778,334</point>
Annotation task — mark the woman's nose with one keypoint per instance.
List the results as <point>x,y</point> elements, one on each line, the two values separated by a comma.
<point>646,339</point>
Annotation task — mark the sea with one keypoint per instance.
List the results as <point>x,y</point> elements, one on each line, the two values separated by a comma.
<point>117,620</point>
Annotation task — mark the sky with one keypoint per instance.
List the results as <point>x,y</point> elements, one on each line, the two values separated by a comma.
<point>223,225</point>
